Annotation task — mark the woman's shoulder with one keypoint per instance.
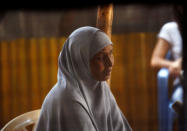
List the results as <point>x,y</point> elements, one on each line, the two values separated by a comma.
<point>170,25</point>
<point>59,95</point>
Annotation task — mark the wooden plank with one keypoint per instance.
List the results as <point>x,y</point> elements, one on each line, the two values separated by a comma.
<point>28,66</point>
<point>43,69</point>
<point>35,88</point>
<point>53,60</point>
<point>23,79</point>
<point>5,85</point>
<point>14,77</point>
<point>152,83</point>
<point>1,91</point>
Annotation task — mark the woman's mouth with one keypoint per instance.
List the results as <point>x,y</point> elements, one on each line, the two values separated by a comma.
<point>108,72</point>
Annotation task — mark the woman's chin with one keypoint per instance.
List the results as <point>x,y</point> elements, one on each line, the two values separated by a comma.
<point>103,78</point>
<point>107,77</point>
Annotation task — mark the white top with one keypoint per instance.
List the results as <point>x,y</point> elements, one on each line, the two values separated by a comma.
<point>171,34</point>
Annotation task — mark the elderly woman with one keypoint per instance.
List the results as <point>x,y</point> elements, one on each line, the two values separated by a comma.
<point>81,100</point>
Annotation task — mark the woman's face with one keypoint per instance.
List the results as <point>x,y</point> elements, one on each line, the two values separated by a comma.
<point>101,64</point>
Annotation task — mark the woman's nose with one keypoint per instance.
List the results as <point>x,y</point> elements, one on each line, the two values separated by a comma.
<point>109,61</point>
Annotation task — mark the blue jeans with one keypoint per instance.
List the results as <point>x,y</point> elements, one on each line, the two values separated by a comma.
<point>177,94</point>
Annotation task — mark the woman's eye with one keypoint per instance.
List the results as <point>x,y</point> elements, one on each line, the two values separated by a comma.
<point>99,57</point>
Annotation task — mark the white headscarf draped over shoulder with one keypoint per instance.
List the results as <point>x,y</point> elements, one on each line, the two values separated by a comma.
<point>78,102</point>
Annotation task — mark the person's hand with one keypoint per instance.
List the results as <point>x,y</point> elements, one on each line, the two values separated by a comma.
<point>175,67</point>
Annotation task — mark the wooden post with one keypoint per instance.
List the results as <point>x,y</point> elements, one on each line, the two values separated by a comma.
<point>104,20</point>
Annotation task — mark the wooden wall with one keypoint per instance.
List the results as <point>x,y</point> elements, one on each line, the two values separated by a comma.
<point>133,82</point>
<point>28,70</point>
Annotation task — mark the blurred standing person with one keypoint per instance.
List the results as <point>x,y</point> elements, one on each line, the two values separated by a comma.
<point>169,39</point>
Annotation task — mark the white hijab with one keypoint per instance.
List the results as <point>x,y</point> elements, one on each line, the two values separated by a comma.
<point>78,102</point>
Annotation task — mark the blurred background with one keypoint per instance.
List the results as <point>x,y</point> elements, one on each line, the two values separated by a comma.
<point>30,41</point>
